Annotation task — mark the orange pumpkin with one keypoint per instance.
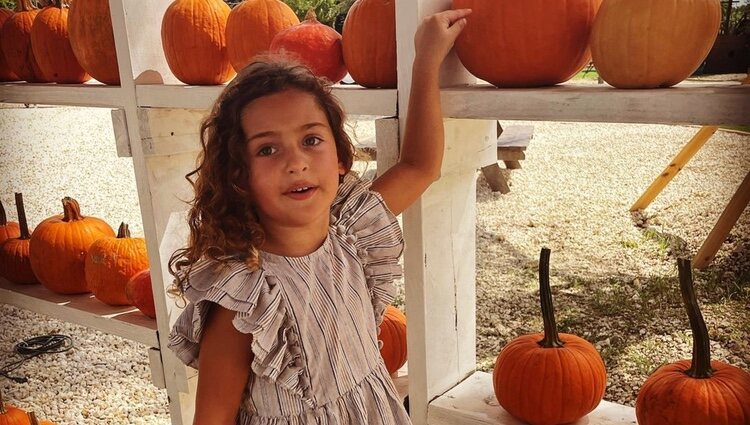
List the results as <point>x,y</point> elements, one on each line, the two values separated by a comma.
<point>528,43</point>
<point>315,45</point>
<point>549,378</point>
<point>647,44</point>
<point>15,264</point>
<point>34,421</point>
<point>393,335</point>
<point>10,415</point>
<point>697,391</point>
<point>111,262</point>
<point>6,74</point>
<point>8,229</point>
<point>192,35</point>
<point>369,43</point>
<point>59,245</point>
<point>266,18</point>
<point>15,38</point>
<point>93,40</point>
<point>139,293</point>
<point>51,45</point>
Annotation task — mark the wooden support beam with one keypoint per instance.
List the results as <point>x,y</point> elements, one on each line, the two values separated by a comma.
<point>674,167</point>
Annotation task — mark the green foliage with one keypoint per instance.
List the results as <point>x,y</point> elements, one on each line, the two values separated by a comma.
<point>326,10</point>
<point>8,4</point>
<point>737,21</point>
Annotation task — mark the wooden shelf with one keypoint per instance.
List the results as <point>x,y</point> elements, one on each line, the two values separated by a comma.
<point>686,103</point>
<point>124,321</point>
<point>356,100</point>
<point>472,402</point>
<point>94,94</point>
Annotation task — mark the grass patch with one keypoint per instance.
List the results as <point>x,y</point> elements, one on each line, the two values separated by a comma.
<point>587,75</point>
<point>629,243</point>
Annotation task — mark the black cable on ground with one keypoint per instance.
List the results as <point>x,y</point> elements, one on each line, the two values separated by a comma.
<point>32,347</point>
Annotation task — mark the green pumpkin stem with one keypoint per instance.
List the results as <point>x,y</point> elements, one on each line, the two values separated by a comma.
<point>72,211</point>
<point>25,235</point>
<point>3,217</point>
<point>551,337</point>
<point>123,231</point>
<point>701,365</point>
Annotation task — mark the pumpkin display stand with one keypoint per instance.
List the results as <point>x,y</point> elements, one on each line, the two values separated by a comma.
<point>155,120</point>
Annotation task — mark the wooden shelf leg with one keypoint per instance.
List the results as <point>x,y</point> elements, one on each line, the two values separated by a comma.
<point>675,166</point>
<point>726,221</point>
<point>495,178</point>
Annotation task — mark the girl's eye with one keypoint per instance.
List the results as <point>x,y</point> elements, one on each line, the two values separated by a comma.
<point>266,150</point>
<point>313,140</point>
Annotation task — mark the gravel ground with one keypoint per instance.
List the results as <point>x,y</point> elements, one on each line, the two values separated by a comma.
<point>613,274</point>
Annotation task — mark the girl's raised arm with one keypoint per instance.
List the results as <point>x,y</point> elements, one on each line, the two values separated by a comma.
<point>224,367</point>
<point>422,148</point>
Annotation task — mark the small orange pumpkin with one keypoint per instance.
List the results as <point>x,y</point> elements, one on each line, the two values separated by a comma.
<point>266,18</point>
<point>316,45</point>
<point>192,35</point>
<point>8,229</point>
<point>535,374</point>
<point>6,74</point>
<point>15,264</point>
<point>369,43</point>
<point>34,421</point>
<point>58,248</point>
<point>393,335</point>
<point>93,40</point>
<point>51,45</point>
<point>139,293</point>
<point>11,415</point>
<point>111,262</point>
<point>697,391</point>
<point>15,38</point>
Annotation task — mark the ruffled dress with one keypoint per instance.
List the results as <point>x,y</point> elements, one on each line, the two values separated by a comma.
<point>313,320</point>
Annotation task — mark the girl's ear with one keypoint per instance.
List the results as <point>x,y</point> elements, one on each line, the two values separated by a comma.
<point>342,170</point>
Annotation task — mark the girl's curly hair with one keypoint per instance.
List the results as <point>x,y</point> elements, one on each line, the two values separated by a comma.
<point>222,221</point>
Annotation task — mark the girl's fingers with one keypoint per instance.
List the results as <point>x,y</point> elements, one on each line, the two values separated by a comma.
<point>454,15</point>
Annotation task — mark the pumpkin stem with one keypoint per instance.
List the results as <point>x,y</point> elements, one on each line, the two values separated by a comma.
<point>551,337</point>
<point>123,231</point>
<point>25,235</point>
<point>311,16</point>
<point>32,419</point>
<point>2,404</point>
<point>72,211</point>
<point>3,217</point>
<point>701,365</point>
<point>24,6</point>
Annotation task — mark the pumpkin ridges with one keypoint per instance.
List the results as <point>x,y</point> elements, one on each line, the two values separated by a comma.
<point>50,43</point>
<point>6,74</point>
<point>92,39</point>
<point>14,253</point>
<point>370,57</point>
<point>16,43</point>
<point>8,229</point>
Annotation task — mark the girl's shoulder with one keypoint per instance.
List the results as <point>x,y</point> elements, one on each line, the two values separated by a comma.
<point>227,281</point>
<point>357,205</point>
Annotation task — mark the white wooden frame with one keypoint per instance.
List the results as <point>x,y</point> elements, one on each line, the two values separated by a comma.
<point>155,120</point>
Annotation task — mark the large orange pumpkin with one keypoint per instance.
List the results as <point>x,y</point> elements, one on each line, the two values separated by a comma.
<point>266,18</point>
<point>59,245</point>
<point>549,378</point>
<point>139,293</point>
<point>15,264</point>
<point>393,335</point>
<point>369,43</point>
<point>93,40</point>
<point>697,391</point>
<point>6,74</point>
<point>192,35</point>
<point>316,45</point>
<point>646,43</point>
<point>111,262</point>
<point>8,229</point>
<point>15,38</point>
<point>51,45</point>
<point>528,43</point>
<point>10,415</point>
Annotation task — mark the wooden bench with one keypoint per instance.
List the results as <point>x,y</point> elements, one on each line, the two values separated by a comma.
<point>511,146</point>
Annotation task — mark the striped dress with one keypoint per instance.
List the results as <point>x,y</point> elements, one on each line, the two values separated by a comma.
<point>313,320</point>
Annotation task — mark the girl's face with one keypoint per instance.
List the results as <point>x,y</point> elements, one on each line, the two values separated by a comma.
<point>291,155</point>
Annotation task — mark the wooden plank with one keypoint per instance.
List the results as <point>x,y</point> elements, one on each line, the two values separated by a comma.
<point>355,100</point>
<point>82,309</point>
<point>120,129</point>
<point>170,131</point>
<point>686,103</point>
<point>515,136</point>
<point>473,402</point>
<point>93,95</point>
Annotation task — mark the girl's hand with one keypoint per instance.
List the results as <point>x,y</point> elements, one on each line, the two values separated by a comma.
<point>435,37</point>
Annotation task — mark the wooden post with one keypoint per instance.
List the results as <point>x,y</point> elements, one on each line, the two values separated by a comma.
<point>674,167</point>
<point>726,221</point>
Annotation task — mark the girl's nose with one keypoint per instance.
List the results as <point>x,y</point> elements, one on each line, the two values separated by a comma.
<point>297,162</point>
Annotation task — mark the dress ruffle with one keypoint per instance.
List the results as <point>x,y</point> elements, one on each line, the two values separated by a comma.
<point>361,217</point>
<point>260,310</point>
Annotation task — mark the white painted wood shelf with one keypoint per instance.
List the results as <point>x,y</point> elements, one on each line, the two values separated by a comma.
<point>473,402</point>
<point>90,94</point>
<point>82,309</point>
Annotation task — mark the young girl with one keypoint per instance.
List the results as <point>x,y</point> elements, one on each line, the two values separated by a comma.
<point>291,258</point>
